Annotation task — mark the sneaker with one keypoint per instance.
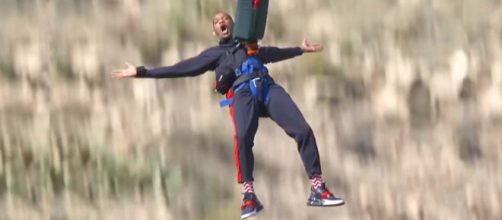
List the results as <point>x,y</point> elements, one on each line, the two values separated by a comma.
<point>323,197</point>
<point>250,205</point>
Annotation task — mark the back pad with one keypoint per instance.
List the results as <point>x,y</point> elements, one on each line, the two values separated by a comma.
<point>250,22</point>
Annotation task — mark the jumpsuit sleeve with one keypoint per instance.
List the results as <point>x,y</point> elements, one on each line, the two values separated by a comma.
<point>275,54</point>
<point>205,61</point>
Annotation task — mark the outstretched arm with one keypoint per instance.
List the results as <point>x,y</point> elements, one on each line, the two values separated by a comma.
<point>190,67</point>
<point>275,54</point>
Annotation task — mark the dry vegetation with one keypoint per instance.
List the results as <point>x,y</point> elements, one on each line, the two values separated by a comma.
<point>405,101</point>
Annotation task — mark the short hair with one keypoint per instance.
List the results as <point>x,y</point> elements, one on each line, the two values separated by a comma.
<point>225,13</point>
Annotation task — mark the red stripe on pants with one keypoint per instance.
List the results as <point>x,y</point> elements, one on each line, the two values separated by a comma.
<point>230,95</point>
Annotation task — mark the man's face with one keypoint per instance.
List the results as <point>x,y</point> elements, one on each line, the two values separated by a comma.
<point>222,26</point>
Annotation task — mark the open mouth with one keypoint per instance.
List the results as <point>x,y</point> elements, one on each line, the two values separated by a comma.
<point>224,29</point>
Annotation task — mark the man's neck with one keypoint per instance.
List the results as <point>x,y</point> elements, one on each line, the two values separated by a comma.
<point>226,41</point>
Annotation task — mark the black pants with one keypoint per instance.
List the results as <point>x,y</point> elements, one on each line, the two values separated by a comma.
<point>245,111</point>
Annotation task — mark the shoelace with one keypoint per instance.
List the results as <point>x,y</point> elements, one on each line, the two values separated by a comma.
<point>326,194</point>
<point>248,203</point>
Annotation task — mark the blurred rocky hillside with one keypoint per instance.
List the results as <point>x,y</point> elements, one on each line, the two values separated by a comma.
<point>405,102</point>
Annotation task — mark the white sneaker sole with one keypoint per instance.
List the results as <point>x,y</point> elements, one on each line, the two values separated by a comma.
<point>247,215</point>
<point>332,203</point>
<point>251,214</point>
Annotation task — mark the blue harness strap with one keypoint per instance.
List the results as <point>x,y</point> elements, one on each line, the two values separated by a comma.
<point>225,102</point>
<point>253,73</point>
<point>228,101</point>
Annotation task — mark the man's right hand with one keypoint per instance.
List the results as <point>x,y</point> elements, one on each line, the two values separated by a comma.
<point>310,48</point>
<point>130,71</point>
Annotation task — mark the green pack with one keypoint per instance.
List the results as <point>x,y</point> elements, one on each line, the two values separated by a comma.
<point>250,19</point>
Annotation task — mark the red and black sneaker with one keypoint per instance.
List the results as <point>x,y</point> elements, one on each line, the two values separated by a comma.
<point>250,205</point>
<point>323,197</point>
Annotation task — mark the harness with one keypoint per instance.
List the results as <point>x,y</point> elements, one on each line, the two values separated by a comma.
<point>254,74</point>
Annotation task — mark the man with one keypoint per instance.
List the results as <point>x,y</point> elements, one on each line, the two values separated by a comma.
<point>245,110</point>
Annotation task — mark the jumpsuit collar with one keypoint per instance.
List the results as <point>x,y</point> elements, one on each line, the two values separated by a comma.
<point>227,41</point>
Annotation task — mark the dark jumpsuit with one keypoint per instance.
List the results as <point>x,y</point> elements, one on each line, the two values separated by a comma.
<point>245,110</point>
